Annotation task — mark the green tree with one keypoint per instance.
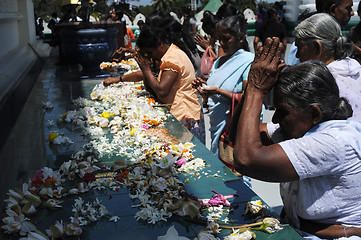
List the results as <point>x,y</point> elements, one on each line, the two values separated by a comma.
<point>145,10</point>
<point>44,8</point>
<point>159,5</point>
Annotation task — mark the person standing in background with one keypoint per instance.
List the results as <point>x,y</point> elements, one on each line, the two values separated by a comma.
<point>52,26</point>
<point>189,23</point>
<point>341,10</point>
<point>270,28</point>
<point>130,38</point>
<point>355,36</point>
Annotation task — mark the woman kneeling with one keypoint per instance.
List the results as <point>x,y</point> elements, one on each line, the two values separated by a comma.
<point>310,147</point>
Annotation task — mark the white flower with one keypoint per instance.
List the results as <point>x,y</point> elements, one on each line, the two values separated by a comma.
<point>31,197</point>
<point>47,105</point>
<point>172,234</point>
<point>193,165</point>
<point>114,219</point>
<point>64,168</point>
<point>28,209</point>
<point>214,227</point>
<point>62,140</point>
<point>253,207</point>
<point>46,191</point>
<point>57,230</point>
<point>159,184</point>
<point>78,205</point>
<point>17,223</point>
<point>73,228</point>
<point>37,235</point>
<point>50,123</point>
<point>103,210</point>
<point>59,192</point>
<point>169,160</point>
<point>79,155</point>
<point>238,235</point>
<point>16,194</point>
<point>206,235</point>
<point>11,203</point>
<point>52,204</point>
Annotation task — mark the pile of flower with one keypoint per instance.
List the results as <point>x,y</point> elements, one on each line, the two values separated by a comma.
<point>121,117</point>
<point>125,66</point>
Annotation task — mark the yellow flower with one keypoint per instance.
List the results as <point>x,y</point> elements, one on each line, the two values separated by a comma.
<point>107,115</point>
<point>52,137</point>
<point>64,115</point>
<point>132,132</point>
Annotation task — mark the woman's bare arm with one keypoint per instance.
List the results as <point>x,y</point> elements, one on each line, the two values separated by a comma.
<point>252,157</point>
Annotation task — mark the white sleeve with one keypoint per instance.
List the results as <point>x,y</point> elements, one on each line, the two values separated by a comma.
<point>274,131</point>
<point>317,154</point>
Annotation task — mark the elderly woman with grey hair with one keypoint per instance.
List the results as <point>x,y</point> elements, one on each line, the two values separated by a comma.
<point>310,148</point>
<point>320,37</point>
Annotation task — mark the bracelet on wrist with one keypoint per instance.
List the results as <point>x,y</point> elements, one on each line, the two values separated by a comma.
<point>121,79</point>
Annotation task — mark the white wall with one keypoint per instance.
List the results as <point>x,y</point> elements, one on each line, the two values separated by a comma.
<point>19,48</point>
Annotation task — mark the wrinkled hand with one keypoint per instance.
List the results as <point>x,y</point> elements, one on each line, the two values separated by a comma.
<point>266,65</point>
<point>143,62</point>
<point>201,41</point>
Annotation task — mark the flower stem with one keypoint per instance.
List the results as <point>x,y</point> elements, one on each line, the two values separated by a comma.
<point>241,226</point>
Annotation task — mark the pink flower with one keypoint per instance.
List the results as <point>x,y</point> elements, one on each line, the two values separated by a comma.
<point>145,126</point>
<point>181,161</point>
<point>219,199</point>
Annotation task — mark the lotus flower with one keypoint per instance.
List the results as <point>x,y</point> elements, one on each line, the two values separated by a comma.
<point>254,207</point>
<point>37,235</point>
<point>28,209</point>
<point>241,234</point>
<point>57,230</point>
<point>17,223</point>
<point>270,225</point>
<point>52,204</point>
<point>172,234</point>
<point>73,228</point>
<point>206,235</point>
<point>12,203</point>
<point>16,194</point>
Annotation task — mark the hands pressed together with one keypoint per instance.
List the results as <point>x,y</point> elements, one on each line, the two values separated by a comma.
<point>201,41</point>
<point>143,62</point>
<point>266,66</point>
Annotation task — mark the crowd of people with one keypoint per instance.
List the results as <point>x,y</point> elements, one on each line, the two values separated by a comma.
<point>313,144</point>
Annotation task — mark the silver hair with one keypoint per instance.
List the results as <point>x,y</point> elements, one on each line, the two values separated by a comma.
<point>323,27</point>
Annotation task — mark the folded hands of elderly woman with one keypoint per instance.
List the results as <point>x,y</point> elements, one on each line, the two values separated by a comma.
<point>266,65</point>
